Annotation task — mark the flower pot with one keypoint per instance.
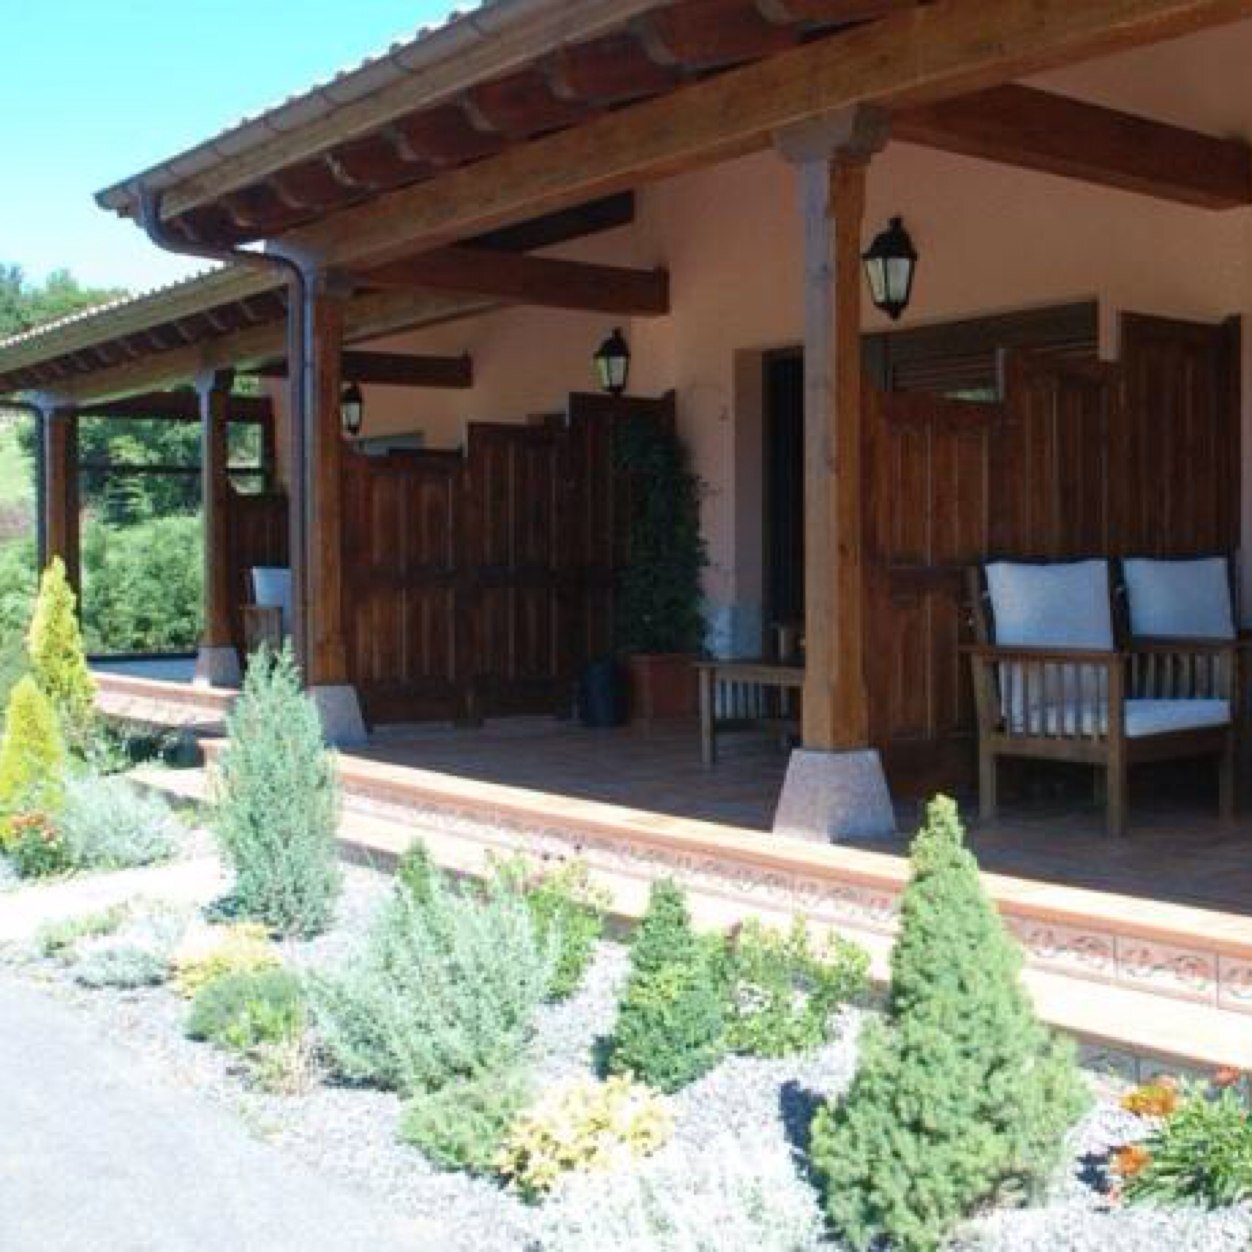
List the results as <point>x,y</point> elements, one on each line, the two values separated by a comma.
<point>662,686</point>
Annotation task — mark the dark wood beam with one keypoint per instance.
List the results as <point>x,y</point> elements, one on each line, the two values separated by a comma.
<point>522,279</point>
<point>1037,130</point>
<point>180,406</point>
<point>933,52</point>
<point>607,213</point>
<point>394,369</point>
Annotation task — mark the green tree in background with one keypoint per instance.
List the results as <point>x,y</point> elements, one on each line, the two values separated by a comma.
<point>24,305</point>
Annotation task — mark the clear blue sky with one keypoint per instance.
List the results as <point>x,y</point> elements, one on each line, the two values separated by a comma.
<point>95,90</point>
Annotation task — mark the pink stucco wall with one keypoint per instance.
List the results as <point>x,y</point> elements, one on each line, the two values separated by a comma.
<point>991,239</point>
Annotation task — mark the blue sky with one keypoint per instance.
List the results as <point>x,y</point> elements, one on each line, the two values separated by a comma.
<point>95,90</point>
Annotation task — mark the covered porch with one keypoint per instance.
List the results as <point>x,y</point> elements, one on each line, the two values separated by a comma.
<point>1071,382</point>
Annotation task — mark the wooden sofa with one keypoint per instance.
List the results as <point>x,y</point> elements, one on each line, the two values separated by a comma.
<point>1105,665</point>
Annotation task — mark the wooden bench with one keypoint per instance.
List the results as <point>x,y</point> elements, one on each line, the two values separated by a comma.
<point>758,692</point>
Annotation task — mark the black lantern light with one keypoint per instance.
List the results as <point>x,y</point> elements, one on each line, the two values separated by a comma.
<point>351,410</point>
<point>612,360</point>
<point>889,267</point>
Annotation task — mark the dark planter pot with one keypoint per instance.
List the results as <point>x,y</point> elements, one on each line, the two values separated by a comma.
<point>663,686</point>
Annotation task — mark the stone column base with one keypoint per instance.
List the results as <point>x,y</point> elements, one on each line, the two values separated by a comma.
<point>217,667</point>
<point>829,796</point>
<point>343,724</point>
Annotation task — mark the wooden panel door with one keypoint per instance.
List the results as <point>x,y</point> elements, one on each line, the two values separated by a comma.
<point>403,585</point>
<point>517,558</point>
<point>928,466</point>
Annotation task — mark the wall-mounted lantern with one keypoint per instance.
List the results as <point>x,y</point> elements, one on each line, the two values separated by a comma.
<point>612,361</point>
<point>351,410</point>
<point>889,267</point>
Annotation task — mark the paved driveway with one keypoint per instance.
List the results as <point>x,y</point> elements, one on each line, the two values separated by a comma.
<point>98,1155</point>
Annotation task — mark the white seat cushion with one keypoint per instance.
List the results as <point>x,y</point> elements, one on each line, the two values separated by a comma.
<point>1144,718</point>
<point>1179,599</point>
<point>1163,717</point>
<point>1057,605</point>
<point>271,589</point>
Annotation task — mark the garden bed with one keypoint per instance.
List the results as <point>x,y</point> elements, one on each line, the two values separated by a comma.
<point>740,1129</point>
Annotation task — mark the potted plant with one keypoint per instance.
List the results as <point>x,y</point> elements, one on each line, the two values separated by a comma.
<point>660,626</point>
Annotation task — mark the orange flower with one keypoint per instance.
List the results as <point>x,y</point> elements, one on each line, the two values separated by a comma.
<point>1227,1076</point>
<point>1131,1160</point>
<point>1158,1098</point>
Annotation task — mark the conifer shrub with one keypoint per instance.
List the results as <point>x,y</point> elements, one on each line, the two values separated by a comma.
<point>32,756</point>
<point>671,1023</point>
<point>963,1097</point>
<point>784,987</point>
<point>462,1125</point>
<point>57,659</point>
<point>446,988</point>
<point>277,808</point>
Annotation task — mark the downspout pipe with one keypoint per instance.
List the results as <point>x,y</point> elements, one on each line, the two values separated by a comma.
<point>298,286</point>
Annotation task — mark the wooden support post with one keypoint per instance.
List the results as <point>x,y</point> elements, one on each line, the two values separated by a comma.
<point>59,494</point>
<point>317,500</point>
<point>217,664</point>
<point>835,785</point>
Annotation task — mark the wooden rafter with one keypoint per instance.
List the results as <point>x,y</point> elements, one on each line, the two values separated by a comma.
<point>932,53</point>
<point>522,279</point>
<point>180,406</point>
<point>1037,130</point>
<point>394,369</point>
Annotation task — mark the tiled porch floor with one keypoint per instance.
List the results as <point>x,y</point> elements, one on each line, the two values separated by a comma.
<point>1176,849</point>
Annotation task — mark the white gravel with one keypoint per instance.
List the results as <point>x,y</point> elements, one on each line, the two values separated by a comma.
<point>350,1134</point>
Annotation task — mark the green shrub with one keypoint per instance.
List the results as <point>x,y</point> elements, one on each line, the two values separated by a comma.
<point>32,754</point>
<point>60,938</point>
<point>278,804</point>
<point>122,966</point>
<point>57,659</point>
<point>109,823</point>
<point>142,585</point>
<point>671,1024</point>
<point>963,1097</point>
<point>462,1125</point>
<point>215,951</point>
<point>783,988</point>
<point>566,907</point>
<point>415,870</point>
<point>1200,1154</point>
<point>737,1195</point>
<point>243,1010</point>
<point>446,988</point>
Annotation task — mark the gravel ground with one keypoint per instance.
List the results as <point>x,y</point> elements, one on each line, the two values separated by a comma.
<point>762,1105</point>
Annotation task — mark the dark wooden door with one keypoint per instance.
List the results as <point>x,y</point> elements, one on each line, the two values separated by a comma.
<point>402,585</point>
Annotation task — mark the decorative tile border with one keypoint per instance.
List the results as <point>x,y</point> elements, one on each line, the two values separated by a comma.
<point>1197,974</point>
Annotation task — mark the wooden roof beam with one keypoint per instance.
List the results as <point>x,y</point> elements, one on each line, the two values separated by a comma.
<point>932,52</point>
<point>394,369</point>
<point>522,279</point>
<point>709,34</point>
<point>178,406</point>
<point>830,12</point>
<point>1037,130</point>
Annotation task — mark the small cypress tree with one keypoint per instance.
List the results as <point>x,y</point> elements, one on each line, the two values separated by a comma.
<point>671,1025</point>
<point>277,811</point>
<point>32,755</point>
<point>963,1097</point>
<point>58,662</point>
